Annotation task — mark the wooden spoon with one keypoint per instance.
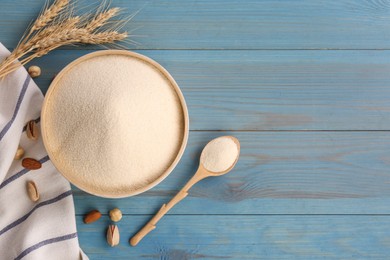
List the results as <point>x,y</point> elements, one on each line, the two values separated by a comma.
<point>200,174</point>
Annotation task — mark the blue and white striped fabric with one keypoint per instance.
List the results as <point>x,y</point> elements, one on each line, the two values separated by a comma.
<point>45,229</point>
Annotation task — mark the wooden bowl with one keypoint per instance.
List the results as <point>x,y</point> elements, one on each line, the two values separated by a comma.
<point>72,177</point>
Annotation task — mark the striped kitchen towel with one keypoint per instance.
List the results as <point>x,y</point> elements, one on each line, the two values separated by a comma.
<point>45,229</point>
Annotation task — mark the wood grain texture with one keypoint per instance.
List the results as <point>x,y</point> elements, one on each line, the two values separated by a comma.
<point>262,69</point>
<point>278,173</point>
<point>244,237</point>
<point>272,90</point>
<point>234,24</point>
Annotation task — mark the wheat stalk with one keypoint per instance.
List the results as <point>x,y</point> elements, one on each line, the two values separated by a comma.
<point>57,26</point>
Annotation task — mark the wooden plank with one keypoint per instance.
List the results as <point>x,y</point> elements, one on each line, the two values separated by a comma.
<point>244,237</point>
<point>278,173</point>
<point>272,90</point>
<point>234,24</point>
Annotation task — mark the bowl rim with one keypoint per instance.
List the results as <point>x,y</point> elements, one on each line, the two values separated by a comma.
<point>143,58</point>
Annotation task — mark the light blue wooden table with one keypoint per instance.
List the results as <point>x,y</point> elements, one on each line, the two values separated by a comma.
<point>304,85</point>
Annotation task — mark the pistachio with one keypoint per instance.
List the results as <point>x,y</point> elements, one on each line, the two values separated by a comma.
<point>115,215</point>
<point>32,130</point>
<point>32,191</point>
<point>19,153</point>
<point>34,71</point>
<point>113,235</point>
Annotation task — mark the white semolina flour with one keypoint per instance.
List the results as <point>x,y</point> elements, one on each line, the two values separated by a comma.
<point>219,154</point>
<point>114,123</point>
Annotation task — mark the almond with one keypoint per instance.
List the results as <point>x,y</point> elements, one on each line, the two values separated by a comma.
<point>32,191</point>
<point>113,237</point>
<point>31,164</point>
<point>32,130</point>
<point>92,216</point>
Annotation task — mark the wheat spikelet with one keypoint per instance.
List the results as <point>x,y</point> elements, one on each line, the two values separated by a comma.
<point>57,26</point>
<point>53,30</point>
<point>104,37</point>
<point>64,37</point>
<point>101,19</point>
<point>74,36</point>
<point>49,14</point>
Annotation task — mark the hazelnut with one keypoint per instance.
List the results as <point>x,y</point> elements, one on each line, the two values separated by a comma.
<point>34,71</point>
<point>115,215</point>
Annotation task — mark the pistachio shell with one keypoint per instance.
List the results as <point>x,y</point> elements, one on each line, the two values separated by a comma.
<point>19,153</point>
<point>113,237</point>
<point>32,191</point>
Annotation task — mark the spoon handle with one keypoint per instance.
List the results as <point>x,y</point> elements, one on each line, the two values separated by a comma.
<point>153,221</point>
<point>164,209</point>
